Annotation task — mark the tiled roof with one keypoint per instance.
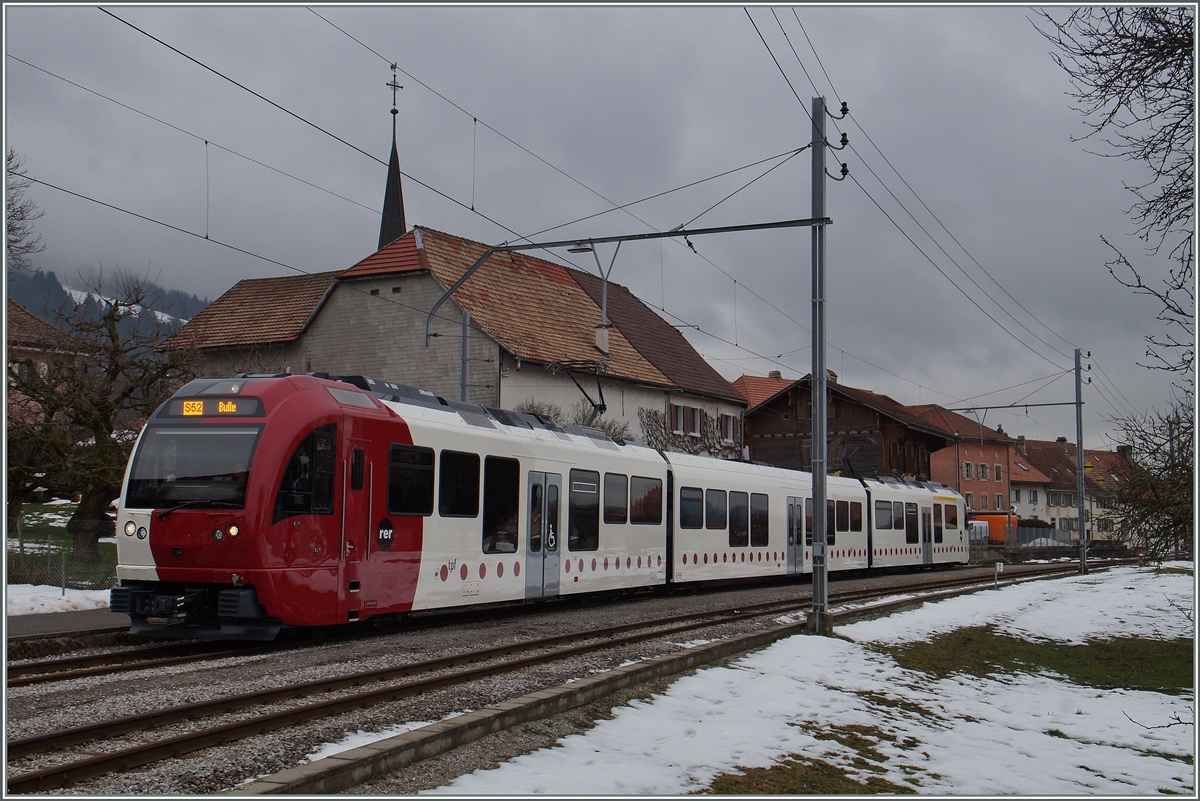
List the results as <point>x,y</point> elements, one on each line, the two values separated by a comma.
<point>257,311</point>
<point>1022,472</point>
<point>25,330</point>
<point>659,342</point>
<point>1056,461</point>
<point>952,423</point>
<point>759,389</point>
<point>400,256</point>
<point>534,308</point>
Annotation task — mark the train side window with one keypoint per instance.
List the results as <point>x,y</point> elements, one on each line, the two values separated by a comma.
<point>410,480</point>
<point>715,512</point>
<point>691,507</point>
<point>616,498</point>
<point>952,516</point>
<point>843,516</point>
<point>645,501</point>
<point>307,486</point>
<point>856,521</point>
<point>739,520</point>
<point>458,484</point>
<point>535,518</point>
<point>897,515</point>
<point>883,515</point>
<point>912,531</point>
<point>937,522</point>
<point>830,522</point>
<point>760,520</point>
<point>501,503</point>
<point>583,532</point>
<point>808,521</point>
<point>358,461</point>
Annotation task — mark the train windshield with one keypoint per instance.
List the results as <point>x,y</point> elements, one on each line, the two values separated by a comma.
<point>193,465</point>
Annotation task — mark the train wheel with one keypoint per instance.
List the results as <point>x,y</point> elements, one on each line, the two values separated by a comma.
<point>386,622</point>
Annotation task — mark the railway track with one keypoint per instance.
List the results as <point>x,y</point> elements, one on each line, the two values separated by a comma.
<point>452,670</point>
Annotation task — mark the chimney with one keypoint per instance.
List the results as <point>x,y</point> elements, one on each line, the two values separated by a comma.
<point>1126,453</point>
<point>1021,444</point>
<point>832,376</point>
<point>776,374</point>
<point>1062,443</point>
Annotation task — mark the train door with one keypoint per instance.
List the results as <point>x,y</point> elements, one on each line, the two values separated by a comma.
<point>795,535</point>
<point>926,535</point>
<point>356,521</point>
<point>541,553</point>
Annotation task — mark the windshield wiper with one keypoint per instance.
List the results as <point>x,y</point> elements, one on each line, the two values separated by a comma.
<point>198,502</point>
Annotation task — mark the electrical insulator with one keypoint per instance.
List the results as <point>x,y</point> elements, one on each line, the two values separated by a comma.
<point>845,108</point>
<point>845,169</point>
<point>845,139</point>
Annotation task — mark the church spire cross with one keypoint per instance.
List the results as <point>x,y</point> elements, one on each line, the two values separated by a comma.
<point>393,225</point>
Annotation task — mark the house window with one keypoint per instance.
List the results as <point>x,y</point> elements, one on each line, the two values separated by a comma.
<point>999,472</point>
<point>970,499</point>
<point>966,470</point>
<point>999,502</point>
<point>676,419</point>
<point>983,472</point>
<point>1016,496</point>
<point>1033,496</point>
<point>983,501</point>
<point>729,428</point>
<point>691,421</point>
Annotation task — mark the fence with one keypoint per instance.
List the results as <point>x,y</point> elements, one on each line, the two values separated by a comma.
<point>41,563</point>
<point>1043,537</point>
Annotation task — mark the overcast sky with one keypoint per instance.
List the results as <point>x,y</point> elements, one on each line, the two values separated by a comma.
<point>578,109</point>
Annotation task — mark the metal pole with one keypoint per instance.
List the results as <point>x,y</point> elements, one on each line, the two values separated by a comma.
<point>466,352</point>
<point>1079,461</point>
<point>819,622</point>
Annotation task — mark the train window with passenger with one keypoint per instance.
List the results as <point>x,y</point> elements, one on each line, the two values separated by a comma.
<point>691,507</point>
<point>937,522</point>
<point>616,498</point>
<point>458,485</point>
<point>307,486</point>
<point>583,532</point>
<point>501,502</point>
<point>715,511</point>
<point>739,519</point>
<point>912,531</point>
<point>952,516</point>
<point>856,519</point>
<point>760,520</point>
<point>410,480</point>
<point>645,501</point>
<point>883,515</point>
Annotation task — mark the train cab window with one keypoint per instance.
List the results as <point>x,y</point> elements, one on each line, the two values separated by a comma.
<point>691,507</point>
<point>739,520</point>
<point>358,461</point>
<point>616,498</point>
<point>410,480</point>
<point>715,512</point>
<point>583,518</point>
<point>856,521</point>
<point>501,501</point>
<point>458,485</point>
<point>952,516</point>
<point>808,521</point>
<point>760,520</point>
<point>645,501</point>
<point>883,515</point>
<point>307,486</point>
<point>912,531</point>
<point>843,516</point>
<point>937,522</point>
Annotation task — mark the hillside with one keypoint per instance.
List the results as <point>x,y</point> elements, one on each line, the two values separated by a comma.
<point>48,297</point>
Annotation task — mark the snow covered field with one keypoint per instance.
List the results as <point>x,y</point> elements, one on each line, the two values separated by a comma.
<point>30,599</point>
<point>1010,734</point>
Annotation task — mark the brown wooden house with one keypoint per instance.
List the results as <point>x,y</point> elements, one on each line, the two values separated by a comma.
<point>869,434</point>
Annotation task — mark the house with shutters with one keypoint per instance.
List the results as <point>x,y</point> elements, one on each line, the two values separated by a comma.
<point>977,460</point>
<point>869,434</point>
<point>1047,474</point>
<point>520,332</point>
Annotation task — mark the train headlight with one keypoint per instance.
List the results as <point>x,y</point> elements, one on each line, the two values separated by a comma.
<point>142,532</point>
<point>234,531</point>
<point>130,527</point>
<point>218,535</point>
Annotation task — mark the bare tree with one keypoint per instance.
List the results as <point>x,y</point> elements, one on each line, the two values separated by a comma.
<point>1132,78</point>
<point>19,214</point>
<point>80,415</point>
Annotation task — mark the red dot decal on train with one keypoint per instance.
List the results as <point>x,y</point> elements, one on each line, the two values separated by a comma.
<point>593,565</point>
<point>568,564</point>
<point>499,570</point>
<point>580,565</point>
<point>706,559</point>
<point>516,568</point>
<point>629,562</point>
<point>724,557</point>
<point>445,573</point>
<point>482,570</point>
<point>462,572</point>
<point>660,560</point>
<point>617,562</point>
<point>605,564</point>
<point>639,562</point>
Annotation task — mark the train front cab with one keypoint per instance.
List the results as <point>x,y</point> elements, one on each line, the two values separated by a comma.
<point>915,525</point>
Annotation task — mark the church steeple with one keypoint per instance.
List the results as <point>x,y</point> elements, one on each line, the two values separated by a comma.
<point>393,225</point>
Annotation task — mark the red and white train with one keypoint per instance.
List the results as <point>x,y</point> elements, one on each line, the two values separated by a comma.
<point>258,503</point>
